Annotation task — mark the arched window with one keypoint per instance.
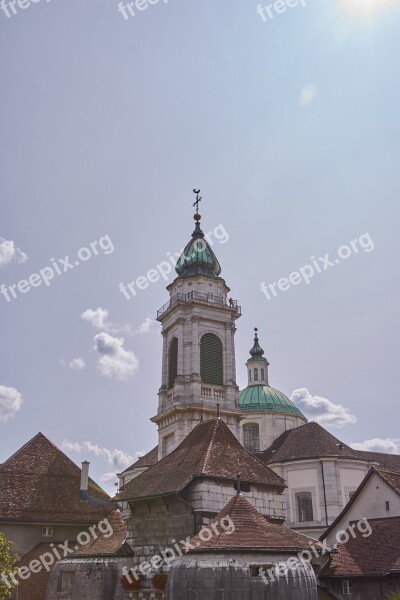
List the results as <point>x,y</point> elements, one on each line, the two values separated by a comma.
<point>251,437</point>
<point>250,375</point>
<point>255,374</point>
<point>172,362</point>
<point>211,360</point>
<point>304,503</point>
<point>262,374</point>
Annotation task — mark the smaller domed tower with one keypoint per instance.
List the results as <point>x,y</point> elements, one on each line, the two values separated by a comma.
<point>267,412</point>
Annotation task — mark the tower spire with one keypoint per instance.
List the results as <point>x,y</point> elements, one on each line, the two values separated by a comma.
<point>257,363</point>
<point>196,204</point>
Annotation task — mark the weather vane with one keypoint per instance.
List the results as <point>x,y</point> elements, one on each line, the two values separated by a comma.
<point>198,199</point>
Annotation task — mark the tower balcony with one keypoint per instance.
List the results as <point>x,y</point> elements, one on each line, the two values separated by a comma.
<point>200,297</point>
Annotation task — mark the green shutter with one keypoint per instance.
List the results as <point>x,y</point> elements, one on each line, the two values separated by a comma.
<point>172,362</point>
<point>211,361</point>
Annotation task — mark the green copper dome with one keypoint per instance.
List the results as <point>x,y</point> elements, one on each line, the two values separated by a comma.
<point>197,257</point>
<point>263,398</point>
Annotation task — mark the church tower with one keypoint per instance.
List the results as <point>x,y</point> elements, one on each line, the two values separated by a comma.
<point>198,328</point>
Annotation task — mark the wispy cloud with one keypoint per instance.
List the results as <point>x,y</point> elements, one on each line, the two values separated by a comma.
<point>115,457</point>
<point>10,253</point>
<point>322,410</point>
<point>307,95</point>
<point>99,319</point>
<point>10,403</point>
<point>386,445</point>
<point>113,359</point>
<point>76,364</point>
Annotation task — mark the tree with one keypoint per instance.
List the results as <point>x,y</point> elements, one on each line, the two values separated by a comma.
<point>7,569</point>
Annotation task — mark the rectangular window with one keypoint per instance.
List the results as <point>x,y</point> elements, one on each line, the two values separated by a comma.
<point>347,587</point>
<point>387,505</point>
<point>67,579</point>
<point>305,507</point>
<point>255,570</point>
<point>251,435</point>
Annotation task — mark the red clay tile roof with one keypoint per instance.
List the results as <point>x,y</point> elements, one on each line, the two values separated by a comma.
<point>308,441</point>
<point>210,450</point>
<point>392,478</point>
<point>251,532</point>
<point>39,483</point>
<point>147,460</point>
<point>114,545</point>
<point>376,555</point>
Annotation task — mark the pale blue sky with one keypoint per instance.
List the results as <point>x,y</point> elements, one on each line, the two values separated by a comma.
<point>108,124</point>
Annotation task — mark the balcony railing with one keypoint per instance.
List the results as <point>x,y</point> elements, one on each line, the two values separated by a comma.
<point>217,393</point>
<point>200,297</point>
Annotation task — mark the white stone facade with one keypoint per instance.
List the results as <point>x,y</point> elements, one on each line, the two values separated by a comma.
<point>330,482</point>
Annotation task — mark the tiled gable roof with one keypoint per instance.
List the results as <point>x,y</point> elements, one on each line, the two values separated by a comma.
<point>308,441</point>
<point>113,545</point>
<point>147,460</point>
<point>252,531</point>
<point>378,554</point>
<point>39,483</point>
<point>210,450</point>
<point>385,461</point>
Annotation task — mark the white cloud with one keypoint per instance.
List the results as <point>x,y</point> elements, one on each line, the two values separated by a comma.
<point>77,364</point>
<point>9,253</point>
<point>10,402</point>
<point>146,326</point>
<point>109,478</point>
<point>115,457</point>
<point>322,410</point>
<point>307,94</point>
<point>114,360</point>
<point>387,445</point>
<point>97,318</point>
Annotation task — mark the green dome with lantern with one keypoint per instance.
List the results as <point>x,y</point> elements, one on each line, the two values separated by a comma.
<point>259,396</point>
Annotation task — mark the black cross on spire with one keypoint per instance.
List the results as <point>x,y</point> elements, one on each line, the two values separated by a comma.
<point>198,199</point>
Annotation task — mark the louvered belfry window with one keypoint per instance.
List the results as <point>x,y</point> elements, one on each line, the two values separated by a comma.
<point>211,361</point>
<point>172,362</point>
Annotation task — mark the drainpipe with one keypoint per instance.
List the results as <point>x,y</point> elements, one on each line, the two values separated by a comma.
<point>323,485</point>
<point>178,495</point>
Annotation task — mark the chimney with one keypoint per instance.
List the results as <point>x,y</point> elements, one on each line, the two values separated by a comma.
<point>85,476</point>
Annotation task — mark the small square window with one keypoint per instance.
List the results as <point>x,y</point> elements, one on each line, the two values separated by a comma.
<point>47,532</point>
<point>347,587</point>
<point>258,570</point>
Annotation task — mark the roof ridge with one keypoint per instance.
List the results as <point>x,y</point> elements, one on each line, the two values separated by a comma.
<point>207,456</point>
